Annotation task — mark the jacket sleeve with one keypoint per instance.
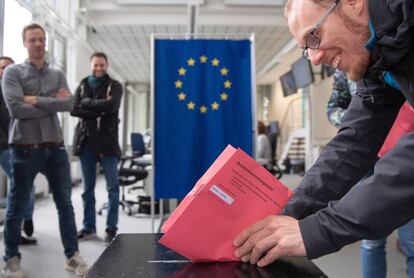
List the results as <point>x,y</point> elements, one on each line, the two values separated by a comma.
<point>339,100</point>
<point>13,96</point>
<point>351,153</point>
<point>371,210</point>
<point>108,105</point>
<point>53,104</point>
<point>78,110</point>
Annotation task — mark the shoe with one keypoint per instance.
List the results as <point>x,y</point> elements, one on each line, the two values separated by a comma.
<point>110,235</point>
<point>27,240</point>
<point>85,235</point>
<point>28,227</point>
<point>12,268</point>
<point>77,264</point>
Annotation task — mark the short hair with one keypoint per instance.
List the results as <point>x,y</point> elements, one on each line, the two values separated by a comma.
<point>7,58</point>
<point>99,54</point>
<point>261,127</point>
<point>32,26</point>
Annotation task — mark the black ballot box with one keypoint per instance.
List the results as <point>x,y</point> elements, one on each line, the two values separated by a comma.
<point>140,255</point>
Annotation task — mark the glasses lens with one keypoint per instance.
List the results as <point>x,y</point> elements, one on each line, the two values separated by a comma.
<point>313,41</point>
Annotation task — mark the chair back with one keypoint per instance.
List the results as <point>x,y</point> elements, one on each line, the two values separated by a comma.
<point>137,144</point>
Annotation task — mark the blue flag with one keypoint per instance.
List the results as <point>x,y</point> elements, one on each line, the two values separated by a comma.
<point>202,102</point>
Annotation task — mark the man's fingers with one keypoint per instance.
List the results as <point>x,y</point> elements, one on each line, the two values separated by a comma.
<point>243,236</point>
<point>262,247</point>
<point>271,255</point>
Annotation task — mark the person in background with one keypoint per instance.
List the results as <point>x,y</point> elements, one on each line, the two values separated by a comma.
<point>34,93</point>
<point>97,102</point>
<point>373,252</point>
<point>264,149</point>
<point>5,158</point>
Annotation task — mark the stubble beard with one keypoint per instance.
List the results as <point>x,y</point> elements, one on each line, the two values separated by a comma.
<point>363,59</point>
<point>360,68</point>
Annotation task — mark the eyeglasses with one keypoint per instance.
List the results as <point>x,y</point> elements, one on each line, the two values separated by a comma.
<point>312,40</point>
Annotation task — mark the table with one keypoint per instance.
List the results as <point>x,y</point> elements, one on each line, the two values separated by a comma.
<point>140,255</point>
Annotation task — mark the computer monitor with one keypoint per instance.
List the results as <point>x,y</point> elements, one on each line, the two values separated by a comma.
<point>302,73</point>
<point>288,84</point>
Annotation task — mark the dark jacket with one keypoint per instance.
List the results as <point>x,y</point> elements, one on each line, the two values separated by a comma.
<point>333,209</point>
<point>98,109</point>
<point>4,123</point>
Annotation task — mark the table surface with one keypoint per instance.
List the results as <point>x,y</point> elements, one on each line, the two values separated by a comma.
<point>140,255</point>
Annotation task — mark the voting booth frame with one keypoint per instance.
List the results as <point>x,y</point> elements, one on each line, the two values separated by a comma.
<point>173,202</point>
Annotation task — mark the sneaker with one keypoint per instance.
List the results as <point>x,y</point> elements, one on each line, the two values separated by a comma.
<point>85,235</point>
<point>110,235</point>
<point>12,268</point>
<point>77,264</point>
<point>27,240</point>
<point>28,227</point>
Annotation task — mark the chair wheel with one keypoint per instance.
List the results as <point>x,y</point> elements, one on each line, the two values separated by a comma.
<point>99,212</point>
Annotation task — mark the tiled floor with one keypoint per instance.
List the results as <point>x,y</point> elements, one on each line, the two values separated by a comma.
<point>46,259</point>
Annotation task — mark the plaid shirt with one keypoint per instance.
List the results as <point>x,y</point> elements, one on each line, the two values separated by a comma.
<point>342,92</point>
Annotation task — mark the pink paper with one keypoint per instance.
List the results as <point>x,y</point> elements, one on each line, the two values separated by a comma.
<point>234,193</point>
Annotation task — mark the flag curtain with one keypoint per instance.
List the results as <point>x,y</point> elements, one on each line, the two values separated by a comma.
<point>202,102</point>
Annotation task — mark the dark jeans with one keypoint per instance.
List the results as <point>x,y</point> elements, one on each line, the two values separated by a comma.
<point>110,168</point>
<point>5,163</point>
<point>53,162</point>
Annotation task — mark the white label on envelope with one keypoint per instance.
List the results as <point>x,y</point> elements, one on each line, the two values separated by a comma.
<point>221,194</point>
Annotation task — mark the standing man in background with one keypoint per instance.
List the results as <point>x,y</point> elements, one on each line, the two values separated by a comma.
<point>97,102</point>
<point>5,158</point>
<point>34,93</point>
<point>264,149</point>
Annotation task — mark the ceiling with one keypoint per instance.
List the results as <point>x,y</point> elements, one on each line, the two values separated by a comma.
<point>123,31</point>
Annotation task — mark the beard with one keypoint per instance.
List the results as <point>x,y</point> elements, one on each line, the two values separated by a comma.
<point>362,59</point>
<point>360,68</point>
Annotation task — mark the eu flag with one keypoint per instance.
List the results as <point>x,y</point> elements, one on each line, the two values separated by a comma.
<point>202,103</point>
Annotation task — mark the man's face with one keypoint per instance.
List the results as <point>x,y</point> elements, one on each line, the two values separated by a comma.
<point>98,66</point>
<point>343,37</point>
<point>3,64</point>
<point>35,43</point>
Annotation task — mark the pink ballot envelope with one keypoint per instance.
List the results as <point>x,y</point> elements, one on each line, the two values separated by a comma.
<point>234,193</point>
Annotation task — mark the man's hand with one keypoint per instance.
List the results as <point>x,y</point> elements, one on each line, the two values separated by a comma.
<point>269,239</point>
<point>30,99</point>
<point>62,93</point>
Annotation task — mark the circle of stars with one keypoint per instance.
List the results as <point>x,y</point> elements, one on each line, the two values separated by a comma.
<point>182,96</point>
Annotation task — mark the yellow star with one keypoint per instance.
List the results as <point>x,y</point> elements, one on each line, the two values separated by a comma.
<point>181,71</point>
<point>224,71</point>
<point>191,105</point>
<point>224,96</point>
<point>227,84</point>
<point>203,59</point>
<point>178,84</point>
<point>215,62</point>
<point>215,106</point>
<point>181,96</point>
<point>203,109</point>
<point>191,62</point>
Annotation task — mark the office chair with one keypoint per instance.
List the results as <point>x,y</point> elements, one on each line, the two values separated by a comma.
<point>137,144</point>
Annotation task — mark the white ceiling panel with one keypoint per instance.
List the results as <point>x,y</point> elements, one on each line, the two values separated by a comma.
<point>123,32</point>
